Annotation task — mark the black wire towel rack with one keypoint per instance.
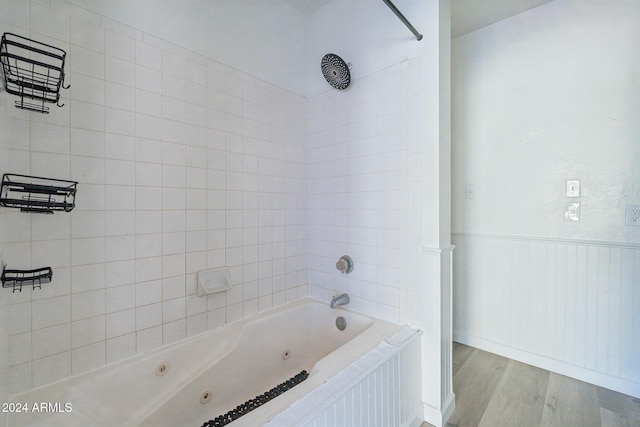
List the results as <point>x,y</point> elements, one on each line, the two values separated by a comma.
<point>33,71</point>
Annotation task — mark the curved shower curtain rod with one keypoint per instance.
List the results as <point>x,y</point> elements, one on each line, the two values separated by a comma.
<point>404,20</point>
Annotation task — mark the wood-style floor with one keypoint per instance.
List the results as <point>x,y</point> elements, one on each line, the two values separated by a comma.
<point>495,391</point>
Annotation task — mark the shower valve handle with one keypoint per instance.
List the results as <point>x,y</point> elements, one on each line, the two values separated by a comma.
<point>345,264</point>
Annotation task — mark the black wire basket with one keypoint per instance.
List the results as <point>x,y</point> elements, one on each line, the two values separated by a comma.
<point>33,71</point>
<point>37,194</point>
<point>16,279</point>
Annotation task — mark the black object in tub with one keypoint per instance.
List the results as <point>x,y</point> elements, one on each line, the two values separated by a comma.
<point>251,404</point>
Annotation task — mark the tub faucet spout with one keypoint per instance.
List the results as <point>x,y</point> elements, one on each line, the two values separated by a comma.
<point>339,300</point>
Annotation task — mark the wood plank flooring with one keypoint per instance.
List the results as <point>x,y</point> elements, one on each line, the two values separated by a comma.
<point>493,391</point>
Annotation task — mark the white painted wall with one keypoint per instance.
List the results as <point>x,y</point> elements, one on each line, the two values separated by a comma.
<point>549,95</point>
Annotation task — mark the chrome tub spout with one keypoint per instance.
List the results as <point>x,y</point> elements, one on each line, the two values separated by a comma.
<point>339,300</point>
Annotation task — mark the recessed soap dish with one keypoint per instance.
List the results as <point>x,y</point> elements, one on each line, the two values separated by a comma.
<point>213,281</point>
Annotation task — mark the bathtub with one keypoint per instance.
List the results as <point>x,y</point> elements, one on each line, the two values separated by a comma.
<point>199,378</point>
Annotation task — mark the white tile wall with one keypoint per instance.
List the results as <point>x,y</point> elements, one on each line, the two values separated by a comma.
<point>361,180</point>
<point>186,164</point>
<point>183,163</point>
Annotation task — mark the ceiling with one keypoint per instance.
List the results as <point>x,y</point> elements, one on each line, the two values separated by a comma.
<point>466,15</point>
<point>470,15</point>
<point>308,6</point>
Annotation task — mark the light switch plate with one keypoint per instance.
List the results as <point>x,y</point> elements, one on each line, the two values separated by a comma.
<point>572,211</point>
<point>573,188</point>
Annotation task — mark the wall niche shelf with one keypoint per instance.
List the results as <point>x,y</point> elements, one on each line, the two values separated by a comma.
<point>33,71</point>
<point>37,194</point>
<point>16,279</point>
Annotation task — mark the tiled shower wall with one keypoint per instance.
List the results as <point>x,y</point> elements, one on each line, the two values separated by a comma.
<point>184,164</point>
<point>364,191</point>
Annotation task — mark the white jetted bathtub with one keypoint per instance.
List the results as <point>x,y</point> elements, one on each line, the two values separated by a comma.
<point>366,374</point>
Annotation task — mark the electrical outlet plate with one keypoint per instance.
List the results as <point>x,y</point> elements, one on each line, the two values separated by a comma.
<point>470,191</point>
<point>572,211</point>
<point>632,215</point>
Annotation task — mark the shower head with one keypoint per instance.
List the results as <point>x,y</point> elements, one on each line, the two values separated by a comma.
<point>336,72</point>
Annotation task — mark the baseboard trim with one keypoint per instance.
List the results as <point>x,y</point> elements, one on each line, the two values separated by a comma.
<point>416,419</point>
<point>432,415</point>
<point>448,407</point>
<point>436,417</point>
<point>620,385</point>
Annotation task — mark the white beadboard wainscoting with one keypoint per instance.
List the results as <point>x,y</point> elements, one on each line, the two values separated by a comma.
<point>382,388</point>
<point>569,306</point>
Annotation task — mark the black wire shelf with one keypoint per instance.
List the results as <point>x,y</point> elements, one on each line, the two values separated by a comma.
<point>16,279</point>
<point>37,194</point>
<point>33,71</point>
